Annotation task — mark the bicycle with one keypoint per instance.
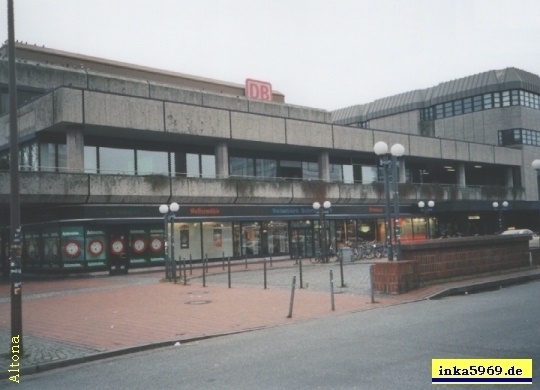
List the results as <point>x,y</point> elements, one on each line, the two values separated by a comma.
<point>331,256</point>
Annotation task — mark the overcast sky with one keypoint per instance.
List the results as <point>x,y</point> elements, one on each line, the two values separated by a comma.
<point>325,54</point>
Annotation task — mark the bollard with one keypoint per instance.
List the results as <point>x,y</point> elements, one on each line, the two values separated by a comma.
<point>332,290</point>
<point>229,271</point>
<point>206,262</point>
<point>185,276</point>
<point>271,265</point>
<point>223,261</point>
<point>341,270</point>
<point>264,267</point>
<point>292,297</point>
<point>300,270</point>
<point>190,266</point>
<point>203,276</point>
<point>371,283</point>
<point>246,261</point>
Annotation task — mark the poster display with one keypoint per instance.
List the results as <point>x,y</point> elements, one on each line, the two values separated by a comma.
<point>32,243</point>
<point>139,246</point>
<point>156,245</point>
<point>96,244</point>
<point>51,247</point>
<point>72,246</point>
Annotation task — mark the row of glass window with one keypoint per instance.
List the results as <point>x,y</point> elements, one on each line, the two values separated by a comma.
<point>52,157</point>
<point>519,137</point>
<point>482,102</point>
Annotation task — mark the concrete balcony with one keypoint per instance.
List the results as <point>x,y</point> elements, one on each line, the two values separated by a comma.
<point>70,188</point>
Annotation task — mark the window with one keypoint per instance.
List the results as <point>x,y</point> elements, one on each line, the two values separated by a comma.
<point>152,163</point>
<point>514,97</point>
<point>467,105</point>
<point>448,109</point>
<point>90,159</point>
<point>439,111</point>
<point>477,103</point>
<point>506,98</point>
<point>241,166</point>
<point>458,107</point>
<point>488,102</point>
<point>265,168</point>
<point>496,100</point>
<point>116,161</point>
<point>208,166</point>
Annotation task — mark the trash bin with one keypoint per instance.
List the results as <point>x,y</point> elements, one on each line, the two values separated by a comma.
<point>347,254</point>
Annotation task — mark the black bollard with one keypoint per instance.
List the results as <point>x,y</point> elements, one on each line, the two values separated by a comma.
<point>190,266</point>
<point>300,270</point>
<point>185,276</point>
<point>332,290</point>
<point>229,271</point>
<point>341,270</point>
<point>264,267</point>
<point>292,297</point>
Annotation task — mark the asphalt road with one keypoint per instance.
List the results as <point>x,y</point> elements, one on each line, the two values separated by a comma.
<point>386,348</point>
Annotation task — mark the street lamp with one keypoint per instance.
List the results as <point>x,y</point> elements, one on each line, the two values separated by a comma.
<point>169,216</point>
<point>426,211</point>
<point>322,224</point>
<point>390,163</point>
<point>500,208</point>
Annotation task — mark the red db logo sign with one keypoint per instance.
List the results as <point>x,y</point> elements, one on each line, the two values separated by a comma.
<point>260,90</point>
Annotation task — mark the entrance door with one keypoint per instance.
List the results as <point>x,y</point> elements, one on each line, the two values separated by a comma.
<point>301,242</point>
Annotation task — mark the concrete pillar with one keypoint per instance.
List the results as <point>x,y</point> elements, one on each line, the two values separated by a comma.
<point>75,150</point>
<point>324,166</point>
<point>222,160</point>
<point>461,179</point>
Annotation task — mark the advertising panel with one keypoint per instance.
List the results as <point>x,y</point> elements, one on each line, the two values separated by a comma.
<point>51,247</point>
<point>32,243</point>
<point>95,248</point>
<point>72,246</point>
<point>139,246</point>
<point>157,245</point>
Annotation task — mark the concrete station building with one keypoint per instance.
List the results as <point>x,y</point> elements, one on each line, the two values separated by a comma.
<point>103,144</point>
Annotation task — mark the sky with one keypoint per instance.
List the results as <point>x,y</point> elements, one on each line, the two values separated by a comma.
<point>325,54</point>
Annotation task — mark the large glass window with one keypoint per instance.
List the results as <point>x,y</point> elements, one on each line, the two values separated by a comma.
<point>265,168</point>
<point>240,166</point>
<point>251,238</point>
<point>336,173</point>
<point>192,165</point>
<point>275,237</point>
<point>348,174</point>
<point>116,161</point>
<point>47,157</point>
<point>208,166</point>
<point>152,163</point>
<point>90,159</point>
<point>217,239</point>
<point>369,174</point>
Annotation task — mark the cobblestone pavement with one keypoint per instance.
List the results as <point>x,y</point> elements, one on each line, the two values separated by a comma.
<point>92,316</point>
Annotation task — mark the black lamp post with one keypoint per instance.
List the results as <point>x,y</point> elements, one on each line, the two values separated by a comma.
<point>426,211</point>
<point>500,208</point>
<point>390,163</point>
<point>169,216</point>
<point>322,225</point>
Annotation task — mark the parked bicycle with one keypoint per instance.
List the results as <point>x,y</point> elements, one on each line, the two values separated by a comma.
<point>331,256</point>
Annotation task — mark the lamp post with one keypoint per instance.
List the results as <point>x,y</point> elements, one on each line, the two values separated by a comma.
<point>426,211</point>
<point>536,166</point>
<point>169,216</point>
<point>390,163</point>
<point>500,209</point>
<point>322,224</point>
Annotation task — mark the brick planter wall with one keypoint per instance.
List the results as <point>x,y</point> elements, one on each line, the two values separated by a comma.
<point>433,260</point>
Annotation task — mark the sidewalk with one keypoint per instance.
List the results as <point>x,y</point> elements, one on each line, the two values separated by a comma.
<point>77,319</point>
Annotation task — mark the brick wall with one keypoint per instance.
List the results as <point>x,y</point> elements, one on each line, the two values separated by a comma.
<point>433,260</point>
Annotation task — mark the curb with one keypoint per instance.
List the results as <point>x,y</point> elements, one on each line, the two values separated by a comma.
<point>484,286</point>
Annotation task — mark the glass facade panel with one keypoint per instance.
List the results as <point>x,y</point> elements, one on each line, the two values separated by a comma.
<point>265,168</point>
<point>90,159</point>
<point>369,174</point>
<point>336,173</point>
<point>251,238</point>
<point>192,165</point>
<point>496,100</point>
<point>217,239</point>
<point>458,107</point>
<point>467,105</point>
<point>348,174</point>
<point>477,103</point>
<point>310,171</point>
<point>62,158</point>
<point>47,157</point>
<point>506,98</point>
<point>488,103</point>
<point>448,109</point>
<point>277,237</point>
<point>187,238</point>
<point>116,161</point>
<point>152,163</point>
<point>208,166</point>
<point>240,166</point>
